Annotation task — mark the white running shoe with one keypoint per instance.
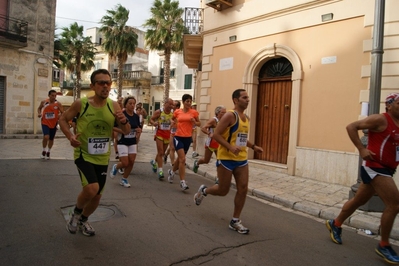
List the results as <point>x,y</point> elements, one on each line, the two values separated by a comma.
<point>237,226</point>
<point>86,228</point>
<point>171,176</point>
<point>183,185</point>
<point>124,182</point>
<point>72,225</point>
<point>114,171</point>
<point>199,196</point>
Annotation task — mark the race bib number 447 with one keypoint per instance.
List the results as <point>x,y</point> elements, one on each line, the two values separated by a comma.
<point>98,145</point>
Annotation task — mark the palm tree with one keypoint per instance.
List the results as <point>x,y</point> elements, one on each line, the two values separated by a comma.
<point>120,40</point>
<point>77,53</point>
<point>164,33</point>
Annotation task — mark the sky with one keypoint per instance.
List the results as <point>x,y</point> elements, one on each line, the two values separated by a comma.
<point>88,13</point>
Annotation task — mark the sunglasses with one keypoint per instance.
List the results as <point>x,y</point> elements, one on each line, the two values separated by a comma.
<point>103,82</point>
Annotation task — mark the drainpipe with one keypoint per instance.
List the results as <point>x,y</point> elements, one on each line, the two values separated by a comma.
<point>375,203</point>
<point>376,58</point>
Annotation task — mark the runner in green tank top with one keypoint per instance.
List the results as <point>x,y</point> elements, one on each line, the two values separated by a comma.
<point>95,120</point>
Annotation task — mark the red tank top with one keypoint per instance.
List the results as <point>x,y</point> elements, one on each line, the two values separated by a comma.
<point>385,145</point>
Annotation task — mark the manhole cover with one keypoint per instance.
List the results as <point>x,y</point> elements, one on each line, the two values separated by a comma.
<point>102,213</point>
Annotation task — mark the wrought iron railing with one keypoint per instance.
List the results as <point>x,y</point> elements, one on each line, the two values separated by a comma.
<point>13,29</point>
<point>194,20</point>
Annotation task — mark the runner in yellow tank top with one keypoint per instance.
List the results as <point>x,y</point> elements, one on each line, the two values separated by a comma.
<point>232,135</point>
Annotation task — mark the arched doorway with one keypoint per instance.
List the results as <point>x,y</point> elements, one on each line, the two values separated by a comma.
<point>251,84</point>
<point>273,110</point>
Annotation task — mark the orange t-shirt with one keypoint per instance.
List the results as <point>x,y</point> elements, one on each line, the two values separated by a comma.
<point>50,113</point>
<point>184,123</point>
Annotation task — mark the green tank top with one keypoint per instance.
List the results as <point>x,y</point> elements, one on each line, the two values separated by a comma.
<point>95,126</point>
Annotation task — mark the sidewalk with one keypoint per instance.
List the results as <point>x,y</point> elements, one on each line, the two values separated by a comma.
<point>315,198</point>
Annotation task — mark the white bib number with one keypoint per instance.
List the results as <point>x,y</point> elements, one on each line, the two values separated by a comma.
<point>131,135</point>
<point>50,115</point>
<point>98,145</point>
<point>165,126</point>
<point>241,140</point>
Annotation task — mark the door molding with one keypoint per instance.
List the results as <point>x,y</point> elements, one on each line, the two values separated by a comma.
<point>250,84</point>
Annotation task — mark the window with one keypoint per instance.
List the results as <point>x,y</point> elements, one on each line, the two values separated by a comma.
<point>188,80</point>
<point>56,74</point>
<point>172,73</point>
<point>128,67</point>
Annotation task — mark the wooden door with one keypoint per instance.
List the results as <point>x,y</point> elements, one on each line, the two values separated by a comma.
<point>273,118</point>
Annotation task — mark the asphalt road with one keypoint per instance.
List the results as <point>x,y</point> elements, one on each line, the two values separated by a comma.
<point>155,223</point>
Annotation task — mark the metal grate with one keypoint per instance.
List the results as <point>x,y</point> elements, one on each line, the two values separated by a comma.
<point>194,20</point>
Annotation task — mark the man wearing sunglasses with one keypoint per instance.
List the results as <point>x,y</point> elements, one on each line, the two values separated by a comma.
<point>96,116</point>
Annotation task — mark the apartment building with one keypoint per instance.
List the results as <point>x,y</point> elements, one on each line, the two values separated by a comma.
<point>306,65</point>
<point>26,52</point>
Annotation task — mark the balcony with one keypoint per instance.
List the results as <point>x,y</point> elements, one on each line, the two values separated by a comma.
<point>219,5</point>
<point>133,75</point>
<point>192,41</point>
<point>13,32</point>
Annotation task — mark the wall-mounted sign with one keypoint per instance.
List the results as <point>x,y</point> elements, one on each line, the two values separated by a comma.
<point>42,72</point>
<point>329,60</point>
<point>226,63</point>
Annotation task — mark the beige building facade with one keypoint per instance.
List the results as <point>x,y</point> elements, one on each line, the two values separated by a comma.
<point>306,66</point>
<point>26,52</point>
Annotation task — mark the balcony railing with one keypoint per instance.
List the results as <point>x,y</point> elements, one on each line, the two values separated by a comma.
<point>129,75</point>
<point>13,30</point>
<point>194,20</point>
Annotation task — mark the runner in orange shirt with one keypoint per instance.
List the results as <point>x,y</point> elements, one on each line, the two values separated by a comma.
<point>49,110</point>
<point>185,119</point>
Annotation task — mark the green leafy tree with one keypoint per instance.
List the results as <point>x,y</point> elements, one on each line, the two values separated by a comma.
<point>164,33</point>
<point>77,53</point>
<point>120,40</point>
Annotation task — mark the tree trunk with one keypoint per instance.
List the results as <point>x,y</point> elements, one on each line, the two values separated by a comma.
<point>78,75</point>
<point>120,76</point>
<point>78,85</point>
<point>167,74</point>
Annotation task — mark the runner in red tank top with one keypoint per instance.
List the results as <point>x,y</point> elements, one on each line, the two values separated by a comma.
<point>380,159</point>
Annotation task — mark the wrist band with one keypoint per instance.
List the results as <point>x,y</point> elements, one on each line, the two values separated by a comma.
<point>125,122</point>
<point>253,146</point>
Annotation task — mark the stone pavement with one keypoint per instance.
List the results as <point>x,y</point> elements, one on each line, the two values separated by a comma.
<point>314,198</point>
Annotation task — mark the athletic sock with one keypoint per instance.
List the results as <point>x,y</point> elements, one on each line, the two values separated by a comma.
<point>384,243</point>
<point>337,224</point>
<point>83,218</point>
<point>77,211</point>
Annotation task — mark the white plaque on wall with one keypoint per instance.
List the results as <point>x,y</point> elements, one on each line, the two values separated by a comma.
<point>226,63</point>
<point>329,60</point>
